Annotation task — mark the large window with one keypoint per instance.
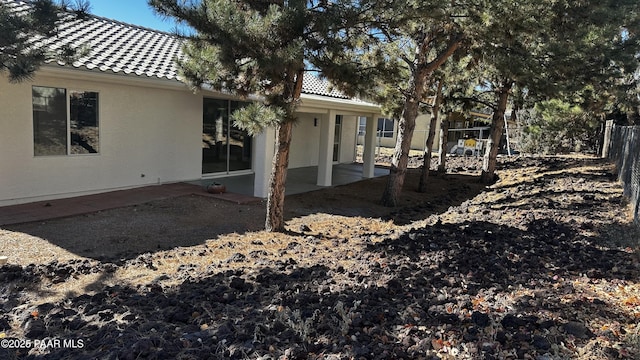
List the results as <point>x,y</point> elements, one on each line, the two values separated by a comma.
<point>385,127</point>
<point>64,122</point>
<point>362,125</point>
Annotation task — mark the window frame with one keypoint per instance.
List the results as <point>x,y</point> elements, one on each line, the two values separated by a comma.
<point>68,91</point>
<point>385,132</point>
<point>362,125</point>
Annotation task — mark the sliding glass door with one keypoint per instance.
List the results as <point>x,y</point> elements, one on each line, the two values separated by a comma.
<point>225,148</point>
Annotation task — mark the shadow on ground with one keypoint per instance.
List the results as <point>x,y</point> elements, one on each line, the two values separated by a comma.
<point>363,198</point>
<point>119,235</point>
<point>505,282</point>
<point>472,288</point>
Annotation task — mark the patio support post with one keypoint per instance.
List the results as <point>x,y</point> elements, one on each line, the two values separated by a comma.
<point>264,150</point>
<point>369,155</point>
<point>325,160</point>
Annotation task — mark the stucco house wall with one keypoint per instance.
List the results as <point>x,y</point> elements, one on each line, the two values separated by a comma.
<point>348,139</point>
<point>150,132</point>
<point>150,123</point>
<point>305,142</point>
<point>147,136</point>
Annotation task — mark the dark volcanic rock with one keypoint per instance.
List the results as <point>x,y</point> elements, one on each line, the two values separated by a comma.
<point>480,319</point>
<point>35,328</point>
<point>577,329</point>
<point>489,276</point>
<point>541,342</point>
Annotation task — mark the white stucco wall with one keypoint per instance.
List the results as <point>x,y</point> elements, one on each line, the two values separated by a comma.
<point>422,131</point>
<point>348,139</point>
<point>305,142</point>
<point>147,136</point>
<point>150,132</point>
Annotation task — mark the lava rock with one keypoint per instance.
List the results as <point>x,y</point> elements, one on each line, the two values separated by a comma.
<point>512,322</point>
<point>577,329</point>
<point>35,328</point>
<point>541,342</point>
<point>480,319</point>
<point>236,258</point>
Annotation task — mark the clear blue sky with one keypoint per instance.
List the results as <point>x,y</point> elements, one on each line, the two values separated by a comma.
<point>136,12</point>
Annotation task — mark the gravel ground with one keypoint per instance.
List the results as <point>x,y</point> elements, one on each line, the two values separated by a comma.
<point>541,265</point>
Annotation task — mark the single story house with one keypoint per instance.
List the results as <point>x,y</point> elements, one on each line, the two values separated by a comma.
<point>120,118</point>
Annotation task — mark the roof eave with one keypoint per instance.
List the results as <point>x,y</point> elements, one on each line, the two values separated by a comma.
<point>81,73</point>
<point>311,101</point>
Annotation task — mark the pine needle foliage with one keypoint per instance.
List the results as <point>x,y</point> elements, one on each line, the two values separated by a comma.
<point>24,34</point>
<point>263,48</point>
<point>407,42</point>
<point>539,50</point>
<point>257,47</point>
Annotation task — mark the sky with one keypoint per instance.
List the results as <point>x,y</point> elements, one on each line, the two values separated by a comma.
<point>136,12</point>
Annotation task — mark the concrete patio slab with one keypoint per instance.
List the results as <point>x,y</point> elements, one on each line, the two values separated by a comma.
<point>59,208</point>
<point>239,191</point>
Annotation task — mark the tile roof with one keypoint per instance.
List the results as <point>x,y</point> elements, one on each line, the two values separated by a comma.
<point>121,48</point>
<point>316,86</point>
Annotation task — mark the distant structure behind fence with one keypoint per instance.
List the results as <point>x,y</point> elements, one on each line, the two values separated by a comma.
<point>622,145</point>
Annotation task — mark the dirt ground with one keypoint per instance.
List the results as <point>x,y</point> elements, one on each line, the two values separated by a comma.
<point>541,265</point>
<point>121,234</point>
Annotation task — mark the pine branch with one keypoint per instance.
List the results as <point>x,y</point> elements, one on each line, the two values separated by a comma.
<point>452,46</point>
<point>492,106</point>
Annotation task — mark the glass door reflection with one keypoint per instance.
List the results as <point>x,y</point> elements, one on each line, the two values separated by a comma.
<point>225,148</point>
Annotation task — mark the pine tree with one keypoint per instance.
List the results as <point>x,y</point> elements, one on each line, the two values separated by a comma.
<point>436,39</point>
<point>551,47</point>
<point>408,41</point>
<point>261,47</point>
<point>452,79</point>
<point>22,55</point>
<point>458,85</point>
<point>442,148</point>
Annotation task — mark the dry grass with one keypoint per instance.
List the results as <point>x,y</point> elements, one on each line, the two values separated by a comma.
<point>332,228</point>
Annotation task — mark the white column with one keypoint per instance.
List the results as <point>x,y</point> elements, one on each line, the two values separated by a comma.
<point>263,151</point>
<point>369,154</point>
<point>325,158</point>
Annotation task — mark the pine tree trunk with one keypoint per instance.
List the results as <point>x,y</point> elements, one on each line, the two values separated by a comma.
<point>490,159</point>
<point>275,199</point>
<point>424,177</point>
<point>419,79</point>
<point>406,126</point>
<point>444,139</point>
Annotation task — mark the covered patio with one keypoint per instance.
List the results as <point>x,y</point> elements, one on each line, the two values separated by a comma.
<point>299,180</point>
<point>324,140</point>
<point>239,190</point>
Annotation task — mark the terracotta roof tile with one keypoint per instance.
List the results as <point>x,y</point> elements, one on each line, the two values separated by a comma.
<point>131,50</point>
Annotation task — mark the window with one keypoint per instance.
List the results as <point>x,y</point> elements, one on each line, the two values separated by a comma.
<point>225,147</point>
<point>362,125</point>
<point>336,138</point>
<point>64,122</point>
<point>385,127</point>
